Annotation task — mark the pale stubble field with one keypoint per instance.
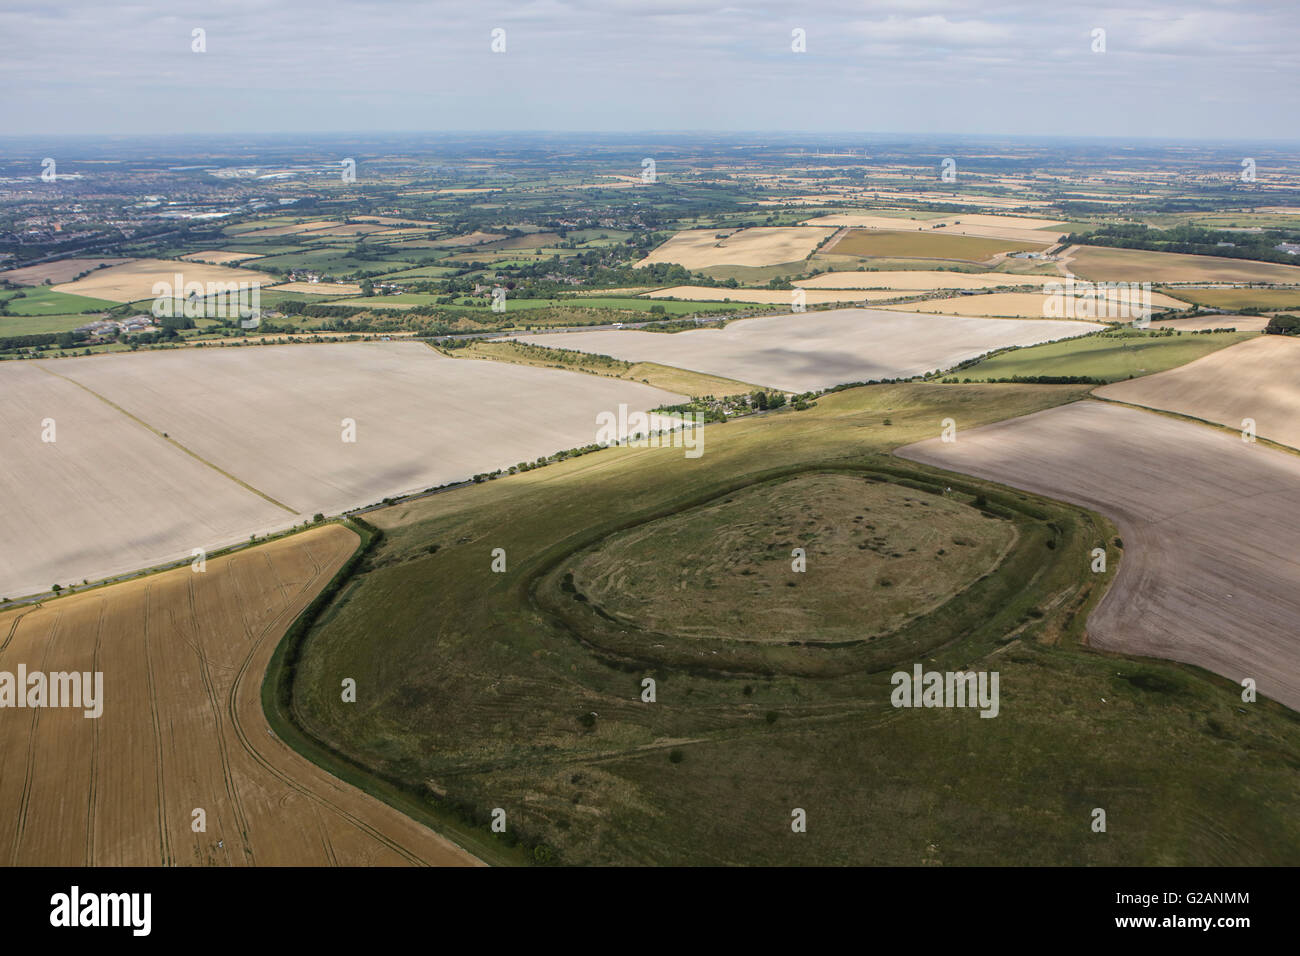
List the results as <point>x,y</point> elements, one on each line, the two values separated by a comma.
<point>254,443</point>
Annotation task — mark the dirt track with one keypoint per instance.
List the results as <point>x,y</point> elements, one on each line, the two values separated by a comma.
<point>1210,526</point>
<point>183,655</point>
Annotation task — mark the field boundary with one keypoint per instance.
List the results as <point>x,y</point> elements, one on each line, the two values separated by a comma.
<point>277,705</point>
<point>165,437</point>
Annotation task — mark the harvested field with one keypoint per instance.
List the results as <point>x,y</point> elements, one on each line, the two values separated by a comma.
<point>183,654</point>
<point>272,416</point>
<point>925,245</point>
<point>1017,228</point>
<point>1102,264</point>
<point>920,280</point>
<point>318,288</point>
<point>134,280</point>
<point>65,270</point>
<point>107,496</point>
<point>1210,574</point>
<point>1255,379</point>
<point>1242,323</point>
<point>757,246</point>
<point>1124,305</point>
<point>816,350</point>
<point>703,293</point>
<point>220,257</point>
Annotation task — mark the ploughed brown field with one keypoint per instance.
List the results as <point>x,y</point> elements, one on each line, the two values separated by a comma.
<point>1257,379</point>
<point>183,656</point>
<point>1210,527</point>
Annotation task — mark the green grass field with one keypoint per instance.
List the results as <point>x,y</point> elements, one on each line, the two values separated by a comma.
<point>1111,356</point>
<point>42,300</point>
<point>509,690</point>
<point>36,324</point>
<point>928,245</point>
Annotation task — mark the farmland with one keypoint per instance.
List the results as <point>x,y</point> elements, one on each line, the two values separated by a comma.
<point>1254,380</point>
<point>760,246</point>
<point>1211,569</point>
<point>134,281</point>
<point>920,280</point>
<point>1101,264</point>
<point>1114,305</point>
<point>63,270</point>
<point>1108,356</point>
<point>182,728</point>
<point>80,506</point>
<point>598,775</point>
<point>502,618</point>
<point>1244,298</point>
<point>767,296</point>
<point>44,301</point>
<point>1017,228</point>
<point>260,446</point>
<point>925,245</point>
<point>817,350</point>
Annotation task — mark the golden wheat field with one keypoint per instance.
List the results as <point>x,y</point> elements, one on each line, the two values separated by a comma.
<point>182,656</point>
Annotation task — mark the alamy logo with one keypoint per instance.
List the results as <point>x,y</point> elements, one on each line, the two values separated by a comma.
<point>75,908</point>
<point>213,300</point>
<point>650,430</point>
<point>80,689</point>
<point>1073,299</point>
<point>951,689</point>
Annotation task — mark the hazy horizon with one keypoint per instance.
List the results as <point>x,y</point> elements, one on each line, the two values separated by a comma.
<point>1197,71</point>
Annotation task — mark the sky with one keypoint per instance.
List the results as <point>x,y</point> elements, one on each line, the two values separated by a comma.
<point>1213,70</point>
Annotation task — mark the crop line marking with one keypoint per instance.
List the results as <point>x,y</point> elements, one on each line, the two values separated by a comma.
<point>279,624</point>
<point>140,421</point>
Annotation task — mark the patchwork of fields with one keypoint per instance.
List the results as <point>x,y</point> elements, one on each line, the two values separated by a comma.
<point>159,453</point>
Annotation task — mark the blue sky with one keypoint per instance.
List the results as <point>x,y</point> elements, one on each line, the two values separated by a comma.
<point>1200,69</point>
